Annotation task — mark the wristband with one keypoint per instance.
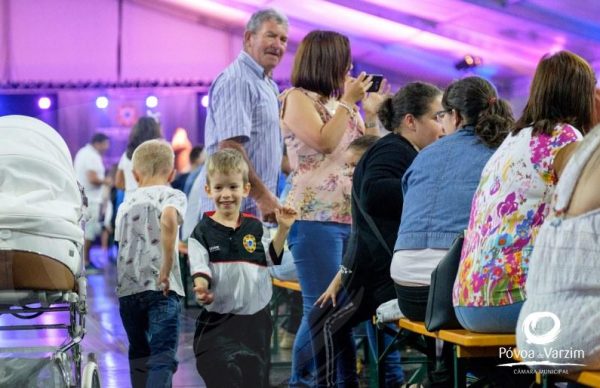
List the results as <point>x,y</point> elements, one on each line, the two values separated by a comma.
<point>347,107</point>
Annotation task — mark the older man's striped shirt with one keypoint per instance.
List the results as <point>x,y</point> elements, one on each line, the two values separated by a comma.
<point>243,104</point>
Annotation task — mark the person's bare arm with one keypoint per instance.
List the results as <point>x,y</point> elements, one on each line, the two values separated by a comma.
<point>168,237</point>
<point>286,166</point>
<point>120,179</point>
<point>94,179</point>
<point>301,117</point>
<point>563,156</point>
<point>266,201</point>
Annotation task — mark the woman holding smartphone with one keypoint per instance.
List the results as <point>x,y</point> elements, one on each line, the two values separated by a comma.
<point>319,118</point>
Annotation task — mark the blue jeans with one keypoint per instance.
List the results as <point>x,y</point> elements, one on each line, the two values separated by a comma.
<point>151,321</point>
<point>317,248</point>
<point>493,319</point>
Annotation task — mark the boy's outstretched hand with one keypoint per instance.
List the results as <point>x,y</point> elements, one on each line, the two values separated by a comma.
<point>286,216</point>
<point>203,295</point>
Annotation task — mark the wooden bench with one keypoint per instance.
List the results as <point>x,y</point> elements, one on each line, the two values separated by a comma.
<point>587,378</point>
<point>466,345</point>
<point>275,302</point>
<point>290,285</point>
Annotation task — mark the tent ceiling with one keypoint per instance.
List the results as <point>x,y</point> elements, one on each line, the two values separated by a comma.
<point>425,38</point>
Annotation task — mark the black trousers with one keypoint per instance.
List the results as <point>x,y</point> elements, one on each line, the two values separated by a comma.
<point>331,332</point>
<point>233,351</point>
<point>413,304</point>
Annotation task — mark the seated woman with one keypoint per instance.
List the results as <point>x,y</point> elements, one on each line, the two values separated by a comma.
<point>563,285</point>
<point>40,208</point>
<point>439,185</point>
<point>438,190</point>
<point>514,193</point>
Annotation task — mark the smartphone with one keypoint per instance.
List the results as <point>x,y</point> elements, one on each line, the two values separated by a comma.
<point>376,79</point>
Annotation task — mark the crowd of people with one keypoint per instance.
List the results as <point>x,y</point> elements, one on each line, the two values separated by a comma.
<point>373,201</point>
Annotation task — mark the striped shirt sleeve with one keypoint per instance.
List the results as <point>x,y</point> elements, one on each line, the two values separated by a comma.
<point>232,108</point>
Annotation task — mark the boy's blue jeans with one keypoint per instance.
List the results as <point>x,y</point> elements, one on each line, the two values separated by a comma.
<point>151,321</point>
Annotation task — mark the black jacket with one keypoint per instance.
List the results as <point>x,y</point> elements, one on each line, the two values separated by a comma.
<point>377,186</point>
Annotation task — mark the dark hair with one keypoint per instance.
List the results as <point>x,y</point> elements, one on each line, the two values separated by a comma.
<point>321,63</point>
<point>99,138</point>
<point>414,98</point>
<point>362,143</point>
<point>477,103</point>
<point>146,128</point>
<point>196,152</point>
<point>562,91</point>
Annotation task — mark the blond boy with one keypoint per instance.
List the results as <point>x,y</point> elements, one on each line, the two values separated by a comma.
<point>149,283</point>
<point>229,254</point>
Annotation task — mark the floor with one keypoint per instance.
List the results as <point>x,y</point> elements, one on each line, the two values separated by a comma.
<point>107,339</point>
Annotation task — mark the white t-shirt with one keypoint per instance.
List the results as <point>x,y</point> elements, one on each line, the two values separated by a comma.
<point>413,268</point>
<point>137,229</point>
<point>89,159</point>
<point>126,165</point>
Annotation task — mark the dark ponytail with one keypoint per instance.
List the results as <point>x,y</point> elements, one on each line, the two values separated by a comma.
<point>386,114</point>
<point>414,98</point>
<point>477,103</point>
<point>494,123</point>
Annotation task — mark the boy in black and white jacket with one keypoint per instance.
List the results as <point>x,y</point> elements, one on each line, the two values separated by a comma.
<point>229,254</point>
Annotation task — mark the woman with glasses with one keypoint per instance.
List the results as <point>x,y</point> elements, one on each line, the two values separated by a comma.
<point>515,191</point>
<point>438,189</point>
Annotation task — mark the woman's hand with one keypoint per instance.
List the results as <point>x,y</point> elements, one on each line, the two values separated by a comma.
<point>331,291</point>
<point>356,88</point>
<point>372,101</point>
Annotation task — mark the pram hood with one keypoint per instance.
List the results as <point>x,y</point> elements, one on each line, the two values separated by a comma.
<point>39,193</point>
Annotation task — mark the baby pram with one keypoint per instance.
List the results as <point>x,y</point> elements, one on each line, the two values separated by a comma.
<point>41,265</point>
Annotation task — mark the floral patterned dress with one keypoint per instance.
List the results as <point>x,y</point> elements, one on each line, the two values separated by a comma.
<point>321,183</point>
<point>508,208</point>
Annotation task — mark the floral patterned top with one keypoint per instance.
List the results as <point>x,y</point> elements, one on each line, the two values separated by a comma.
<point>509,206</point>
<point>321,183</point>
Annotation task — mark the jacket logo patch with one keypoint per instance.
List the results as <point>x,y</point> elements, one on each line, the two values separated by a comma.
<point>214,249</point>
<point>249,242</point>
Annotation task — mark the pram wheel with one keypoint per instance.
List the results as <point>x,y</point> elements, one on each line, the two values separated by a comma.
<point>90,377</point>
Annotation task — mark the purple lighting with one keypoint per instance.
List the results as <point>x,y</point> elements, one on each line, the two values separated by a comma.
<point>151,101</point>
<point>204,101</point>
<point>44,103</point>
<point>102,102</point>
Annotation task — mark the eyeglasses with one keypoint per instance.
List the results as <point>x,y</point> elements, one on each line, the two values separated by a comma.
<point>439,116</point>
